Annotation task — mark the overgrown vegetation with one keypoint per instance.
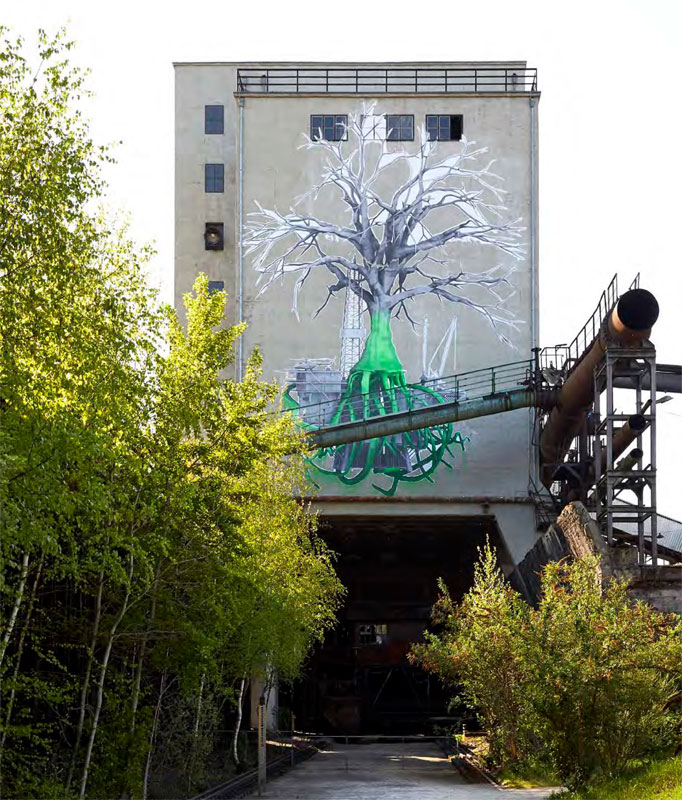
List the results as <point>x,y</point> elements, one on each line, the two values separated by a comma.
<point>658,780</point>
<point>582,682</point>
<point>153,555</point>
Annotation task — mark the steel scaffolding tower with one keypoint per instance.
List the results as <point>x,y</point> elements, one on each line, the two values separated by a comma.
<point>352,331</point>
<point>612,480</point>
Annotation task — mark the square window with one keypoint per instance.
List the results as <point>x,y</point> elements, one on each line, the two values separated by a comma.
<point>444,127</point>
<point>331,127</point>
<point>373,634</point>
<point>214,119</point>
<point>214,178</point>
<point>216,286</point>
<point>400,127</point>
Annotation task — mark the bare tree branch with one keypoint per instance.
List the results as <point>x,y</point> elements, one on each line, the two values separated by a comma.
<point>386,244</point>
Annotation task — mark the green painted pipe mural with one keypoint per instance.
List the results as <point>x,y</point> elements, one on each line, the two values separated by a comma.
<point>404,214</point>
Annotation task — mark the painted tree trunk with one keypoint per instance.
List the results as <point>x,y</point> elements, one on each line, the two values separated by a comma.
<point>379,354</point>
<point>377,386</point>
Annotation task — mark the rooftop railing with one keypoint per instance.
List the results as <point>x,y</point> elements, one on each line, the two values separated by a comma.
<point>394,80</point>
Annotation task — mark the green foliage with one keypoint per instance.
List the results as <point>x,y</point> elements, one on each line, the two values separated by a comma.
<point>581,681</point>
<point>658,780</point>
<point>481,650</point>
<point>153,552</point>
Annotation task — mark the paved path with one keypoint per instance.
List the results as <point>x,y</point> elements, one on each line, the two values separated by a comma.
<point>413,771</point>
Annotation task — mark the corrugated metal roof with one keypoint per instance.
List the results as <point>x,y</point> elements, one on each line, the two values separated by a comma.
<point>669,531</point>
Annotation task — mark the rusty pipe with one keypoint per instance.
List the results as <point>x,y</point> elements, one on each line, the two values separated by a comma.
<point>629,461</point>
<point>629,323</point>
<point>625,436</point>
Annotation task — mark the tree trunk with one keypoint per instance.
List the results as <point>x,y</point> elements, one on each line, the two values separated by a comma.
<point>20,648</point>
<point>196,733</point>
<point>86,681</point>
<point>238,723</point>
<point>143,647</point>
<point>152,737</point>
<point>100,681</point>
<point>379,354</point>
<point>15,608</point>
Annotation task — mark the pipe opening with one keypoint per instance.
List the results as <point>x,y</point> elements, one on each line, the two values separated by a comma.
<point>638,309</point>
<point>636,453</point>
<point>637,422</point>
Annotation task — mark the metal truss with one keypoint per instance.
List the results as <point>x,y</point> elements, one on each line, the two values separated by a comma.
<point>615,482</point>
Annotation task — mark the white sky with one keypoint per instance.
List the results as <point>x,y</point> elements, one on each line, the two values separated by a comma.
<point>610,158</point>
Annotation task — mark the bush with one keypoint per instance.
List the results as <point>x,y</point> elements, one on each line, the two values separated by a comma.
<point>582,680</point>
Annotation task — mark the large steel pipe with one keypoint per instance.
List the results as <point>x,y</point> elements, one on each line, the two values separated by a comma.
<point>629,323</point>
<point>668,379</point>
<point>629,461</point>
<point>625,436</point>
<point>439,414</point>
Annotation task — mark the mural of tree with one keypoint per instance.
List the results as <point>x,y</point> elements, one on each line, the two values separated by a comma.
<point>404,215</point>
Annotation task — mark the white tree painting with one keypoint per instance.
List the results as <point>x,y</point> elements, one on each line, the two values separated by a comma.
<point>407,218</point>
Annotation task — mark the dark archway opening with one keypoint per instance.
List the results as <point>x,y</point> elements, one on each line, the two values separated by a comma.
<point>359,680</point>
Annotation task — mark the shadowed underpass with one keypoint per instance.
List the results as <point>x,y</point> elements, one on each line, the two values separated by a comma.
<point>395,771</point>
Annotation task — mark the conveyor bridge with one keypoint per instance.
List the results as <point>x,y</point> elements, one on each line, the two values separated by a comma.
<point>579,441</point>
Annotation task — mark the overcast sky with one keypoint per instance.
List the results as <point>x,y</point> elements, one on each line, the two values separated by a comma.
<point>610,154</point>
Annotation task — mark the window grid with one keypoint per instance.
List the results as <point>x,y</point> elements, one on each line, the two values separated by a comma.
<point>373,633</point>
<point>214,178</point>
<point>400,127</point>
<point>330,127</point>
<point>214,119</point>
<point>444,127</point>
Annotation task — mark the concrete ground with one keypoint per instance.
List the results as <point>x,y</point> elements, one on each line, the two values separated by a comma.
<point>395,771</point>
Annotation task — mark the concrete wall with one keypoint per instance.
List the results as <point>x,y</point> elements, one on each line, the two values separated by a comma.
<point>497,453</point>
<point>574,535</point>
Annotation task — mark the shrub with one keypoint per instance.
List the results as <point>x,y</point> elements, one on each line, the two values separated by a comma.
<point>582,679</point>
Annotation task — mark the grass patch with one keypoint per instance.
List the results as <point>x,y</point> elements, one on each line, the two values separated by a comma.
<point>660,780</point>
<point>529,777</point>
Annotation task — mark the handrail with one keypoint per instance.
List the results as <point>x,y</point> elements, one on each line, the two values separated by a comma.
<point>469,385</point>
<point>393,80</point>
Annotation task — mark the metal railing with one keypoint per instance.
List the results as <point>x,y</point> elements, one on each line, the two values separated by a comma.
<point>392,80</point>
<point>562,358</point>
<point>588,333</point>
<point>465,386</point>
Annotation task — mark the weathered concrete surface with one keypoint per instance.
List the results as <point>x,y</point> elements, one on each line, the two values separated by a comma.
<point>396,771</point>
<point>661,586</point>
<point>574,535</point>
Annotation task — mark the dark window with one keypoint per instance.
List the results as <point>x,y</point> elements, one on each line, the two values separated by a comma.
<point>444,127</point>
<point>214,119</point>
<point>373,634</point>
<point>400,127</point>
<point>214,236</point>
<point>216,286</point>
<point>214,177</point>
<point>332,127</point>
